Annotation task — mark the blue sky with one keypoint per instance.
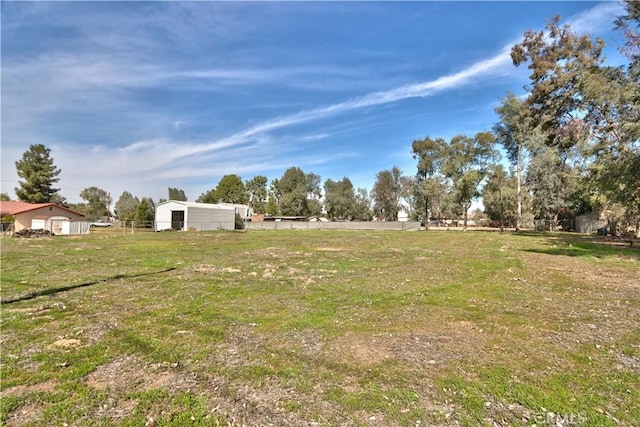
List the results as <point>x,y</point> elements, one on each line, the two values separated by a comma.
<point>142,96</point>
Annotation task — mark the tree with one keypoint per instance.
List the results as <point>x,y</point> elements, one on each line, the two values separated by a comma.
<point>273,202</point>
<point>451,207</point>
<point>230,189</point>
<point>558,59</point>
<point>145,213</point>
<point>314,206</point>
<point>466,164</point>
<point>498,198</point>
<point>386,194</point>
<point>362,209</point>
<point>256,188</point>
<point>612,100</point>
<point>430,194</point>
<point>98,201</point>
<point>37,170</point>
<point>579,102</point>
<point>78,207</point>
<point>126,206</point>
<point>620,181</point>
<point>177,194</point>
<point>4,197</point>
<point>210,196</point>
<point>339,199</point>
<point>517,134</point>
<point>271,208</point>
<point>625,24</point>
<point>294,203</point>
<point>547,179</point>
<point>295,190</point>
<point>430,154</point>
<point>313,185</point>
<point>407,201</point>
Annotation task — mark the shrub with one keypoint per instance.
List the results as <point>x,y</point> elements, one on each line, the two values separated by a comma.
<point>239,222</point>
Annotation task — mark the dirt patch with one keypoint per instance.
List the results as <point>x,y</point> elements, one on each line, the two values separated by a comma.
<point>117,410</point>
<point>94,331</point>
<point>629,363</point>
<point>129,374</point>
<point>23,390</point>
<point>117,374</point>
<point>22,310</point>
<point>65,343</point>
<point>420,348</point>
<point>213,269</point>
<point>126,375</point>
<point>24,415</point>
<point>28,412</point>
<point>36,310</point>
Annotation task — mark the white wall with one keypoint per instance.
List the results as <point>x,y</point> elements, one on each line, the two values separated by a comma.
<point>211,218</point>
<point>163,213</point>
<point>198,216</point>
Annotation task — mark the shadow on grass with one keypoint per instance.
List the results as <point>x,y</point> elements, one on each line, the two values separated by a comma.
<point>53,291</point>
<point>573,245</point>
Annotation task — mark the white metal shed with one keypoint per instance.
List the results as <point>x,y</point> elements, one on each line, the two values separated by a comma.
<point>177,215</point>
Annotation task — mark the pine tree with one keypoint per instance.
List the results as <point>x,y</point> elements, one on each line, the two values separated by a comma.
<point>39,174</point>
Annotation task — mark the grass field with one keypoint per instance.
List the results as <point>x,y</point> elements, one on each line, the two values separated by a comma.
<point>320,328</point>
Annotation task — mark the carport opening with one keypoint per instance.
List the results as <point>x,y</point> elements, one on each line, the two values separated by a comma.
<point>177,220</point>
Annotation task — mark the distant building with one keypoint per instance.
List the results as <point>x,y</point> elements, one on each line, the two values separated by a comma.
<point>185,216</point>
<point>276,218</point>
<point>245,211</point>
<point>44,216</point>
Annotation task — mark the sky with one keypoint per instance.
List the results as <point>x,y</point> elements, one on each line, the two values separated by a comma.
<point>142,96</point>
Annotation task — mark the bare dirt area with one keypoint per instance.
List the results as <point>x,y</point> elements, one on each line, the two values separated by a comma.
<point>421,348</point>
<point>26,414</point>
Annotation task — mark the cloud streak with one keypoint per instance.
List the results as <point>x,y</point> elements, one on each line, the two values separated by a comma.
<point>491,66</point>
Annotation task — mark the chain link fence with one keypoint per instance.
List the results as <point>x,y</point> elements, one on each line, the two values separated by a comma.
<point>325,225</point>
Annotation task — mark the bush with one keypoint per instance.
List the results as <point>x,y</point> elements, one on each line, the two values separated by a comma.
<point>239,222</point>
<point>7,222</point>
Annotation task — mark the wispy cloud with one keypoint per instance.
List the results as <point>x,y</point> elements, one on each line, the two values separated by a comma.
<point>597,19</point>
<point>493,66</point>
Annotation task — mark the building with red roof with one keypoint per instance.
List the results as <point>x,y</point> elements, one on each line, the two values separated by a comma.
<point>48,216</point>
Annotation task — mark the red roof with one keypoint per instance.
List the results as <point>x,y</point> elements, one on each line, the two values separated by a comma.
<point>15,208</point>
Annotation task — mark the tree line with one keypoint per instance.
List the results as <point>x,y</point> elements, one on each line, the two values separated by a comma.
<point>572,147</point>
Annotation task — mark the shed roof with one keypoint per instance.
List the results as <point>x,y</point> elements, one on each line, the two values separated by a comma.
<point>16,208</point>
<point>198,205</point>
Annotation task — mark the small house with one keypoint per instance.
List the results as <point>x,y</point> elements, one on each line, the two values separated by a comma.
<point>44,216</point>
<point>185,216</point>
